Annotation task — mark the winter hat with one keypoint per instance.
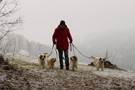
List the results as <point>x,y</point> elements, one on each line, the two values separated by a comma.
<point>62,22</point>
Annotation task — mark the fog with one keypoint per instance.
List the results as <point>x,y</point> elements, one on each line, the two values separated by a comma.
<point>95,25</point>
<point>82,17</point>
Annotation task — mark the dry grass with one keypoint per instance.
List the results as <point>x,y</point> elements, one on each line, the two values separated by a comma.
<point>29,77</point>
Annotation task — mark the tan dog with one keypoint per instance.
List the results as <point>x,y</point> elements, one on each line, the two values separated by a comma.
<point>98,63</point>
<point>51,63</point>
<point>73,61</point>
<point>41,60</point>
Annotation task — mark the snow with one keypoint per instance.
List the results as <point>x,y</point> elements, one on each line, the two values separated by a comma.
<point>116,73</point>
<point>110,72</point>
<point>105,73</point>
<point>23,53</point>
<point>86,78</point>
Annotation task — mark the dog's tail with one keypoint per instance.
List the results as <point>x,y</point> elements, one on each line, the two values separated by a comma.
<point>92,57</point>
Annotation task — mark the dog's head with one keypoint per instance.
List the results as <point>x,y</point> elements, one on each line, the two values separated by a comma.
<point>42,57</point>
<point>102,60</point>
<point>73,58</point>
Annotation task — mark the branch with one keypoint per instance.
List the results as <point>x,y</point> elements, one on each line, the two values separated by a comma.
<point>3,7</point>
<point>9,30</point>
<point>0,1</point>
<point>8,5</point>
<point>17,21</point>
<point>5,14</point>
<point>106,56</point>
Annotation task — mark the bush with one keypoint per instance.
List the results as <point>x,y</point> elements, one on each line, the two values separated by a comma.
<point>6,67</point>
<point>3,60</point>
<point>4,63</point>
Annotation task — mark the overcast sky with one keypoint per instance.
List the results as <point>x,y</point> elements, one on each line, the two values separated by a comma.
<point>83,17</point>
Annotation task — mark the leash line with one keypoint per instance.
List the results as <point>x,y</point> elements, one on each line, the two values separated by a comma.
<point>72,49</point>
<point>71,44</point>
<point>55,51</point>
<point>51,50</point>
<point>80,52</point>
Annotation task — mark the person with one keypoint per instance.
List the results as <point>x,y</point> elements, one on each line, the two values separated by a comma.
<point>60,38</point>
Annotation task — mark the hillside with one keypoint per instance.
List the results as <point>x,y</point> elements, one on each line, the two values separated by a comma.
<point>27,76</point>
<point>119,44</point>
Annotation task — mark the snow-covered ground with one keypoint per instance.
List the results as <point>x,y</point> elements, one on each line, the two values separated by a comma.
<point>106,73</point>
<point>30,77</point>
<point>110,72</point>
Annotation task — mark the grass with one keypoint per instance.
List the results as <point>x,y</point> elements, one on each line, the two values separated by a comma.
<point>29,77</point>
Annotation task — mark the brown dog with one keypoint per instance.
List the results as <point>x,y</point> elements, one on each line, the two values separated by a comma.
<point>73,61</point>
<point>98,63</point>
<point>51,63</point>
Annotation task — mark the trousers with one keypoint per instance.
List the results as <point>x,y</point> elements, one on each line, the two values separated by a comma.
<point>66,58</point>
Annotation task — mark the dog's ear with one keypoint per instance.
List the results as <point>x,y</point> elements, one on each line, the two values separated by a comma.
<point>75,58</point>
<point>44,56</point>
<point>71,58</point>
<point>100,58</point>
<point>40,56</point>
<point>54,59</point>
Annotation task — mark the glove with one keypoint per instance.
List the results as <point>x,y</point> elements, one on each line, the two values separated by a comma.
<point>70,41</point>
<point>54,42</point>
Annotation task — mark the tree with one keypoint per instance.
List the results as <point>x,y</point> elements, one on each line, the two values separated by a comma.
<point>8,21</point>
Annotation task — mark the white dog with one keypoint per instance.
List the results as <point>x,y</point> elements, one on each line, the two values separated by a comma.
<point>98,63</point>
<point>41,60</point>
<point>73,61</point>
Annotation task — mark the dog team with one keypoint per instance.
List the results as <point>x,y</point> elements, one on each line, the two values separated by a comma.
<point>60,39</point>
<point>44,58</point>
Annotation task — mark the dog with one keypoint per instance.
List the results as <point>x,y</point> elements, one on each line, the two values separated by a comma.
<point>51,62</point>
<point>74,62</point>
<point>41,59</point>
<point>98,62</point>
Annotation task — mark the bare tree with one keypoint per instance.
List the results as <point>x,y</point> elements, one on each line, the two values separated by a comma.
<point>8,20</point>
<point>110,56</point>
<point>6,44</point>
<point>106,55</point>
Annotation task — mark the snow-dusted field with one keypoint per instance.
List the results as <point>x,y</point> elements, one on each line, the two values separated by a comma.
<point>30,77</point>
<point>107,72</point>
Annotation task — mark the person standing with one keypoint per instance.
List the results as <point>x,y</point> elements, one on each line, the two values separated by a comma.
<point>60,38</point>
